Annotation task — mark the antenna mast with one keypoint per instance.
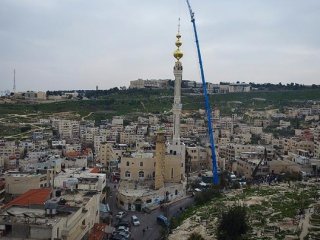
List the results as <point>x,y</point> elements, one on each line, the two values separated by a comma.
<point>14,80</point>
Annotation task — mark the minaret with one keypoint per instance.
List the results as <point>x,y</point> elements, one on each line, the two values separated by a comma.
<point>176,147</point>
<point>160,161</point>
<point>177,106</point>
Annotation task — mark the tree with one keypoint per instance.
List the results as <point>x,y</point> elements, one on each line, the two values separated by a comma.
<point>195,236</point>
<point>233,224</point>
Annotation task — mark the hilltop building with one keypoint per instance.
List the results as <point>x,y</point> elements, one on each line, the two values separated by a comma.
<point>152,83</point>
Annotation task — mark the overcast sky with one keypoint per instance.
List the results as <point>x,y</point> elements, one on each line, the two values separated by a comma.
<point>78,44</point>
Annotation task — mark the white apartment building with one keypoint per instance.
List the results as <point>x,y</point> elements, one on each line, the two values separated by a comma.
<point>97,140</point>
<point>106,154</point>
<point>7,149</point>
<point>72,148</point>
<point>68,129</point>
<point>284,124</point>
<point>317,149</point>
<point>197,158</point>
<point>153,120</point>
<point>74,176</point>
<point>234,151</point>
<point>117,120</point>
<point>18,183</point>
<point>68,215</point>
<point>256,130</point>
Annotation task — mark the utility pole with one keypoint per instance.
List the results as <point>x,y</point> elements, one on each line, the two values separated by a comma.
<point>14,80</point>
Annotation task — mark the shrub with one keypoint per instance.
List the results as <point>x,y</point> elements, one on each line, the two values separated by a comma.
<point>195,236</point>
<point>233,224</point>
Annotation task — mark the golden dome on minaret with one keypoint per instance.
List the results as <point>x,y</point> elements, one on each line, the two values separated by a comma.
<point>177,53</point>
<point>178,43</point>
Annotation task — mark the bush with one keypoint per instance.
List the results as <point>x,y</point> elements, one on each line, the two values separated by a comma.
<point>195,236</point>
<point>233,224</point>
<point>206,195</point>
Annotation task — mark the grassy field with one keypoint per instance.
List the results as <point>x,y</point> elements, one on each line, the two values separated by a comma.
<point>274,210</point>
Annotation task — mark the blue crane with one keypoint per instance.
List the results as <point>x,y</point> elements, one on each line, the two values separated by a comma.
<point>207,104</point>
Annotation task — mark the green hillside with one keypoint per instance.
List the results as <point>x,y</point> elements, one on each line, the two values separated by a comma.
<point>156,101</point>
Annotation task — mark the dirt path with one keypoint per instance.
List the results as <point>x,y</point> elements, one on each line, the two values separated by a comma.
<point>82,119</point>
<point>305,224</point>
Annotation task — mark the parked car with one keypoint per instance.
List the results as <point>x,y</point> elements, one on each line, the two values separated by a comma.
<point>163,221</point>
<point>123,234</point>
<point>123,223</point>
<point>146,210</point>
<point>135,221</point>
<point>123,229</point>
<point>118,237</point>
<point>120,215</point>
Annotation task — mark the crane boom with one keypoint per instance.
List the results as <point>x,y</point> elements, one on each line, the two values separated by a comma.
<point>207,104</point>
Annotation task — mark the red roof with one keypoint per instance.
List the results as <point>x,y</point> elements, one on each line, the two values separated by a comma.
<point>33,196</point>
<point>97,232</point>
<point>73,154</point>
<point>95,170</point>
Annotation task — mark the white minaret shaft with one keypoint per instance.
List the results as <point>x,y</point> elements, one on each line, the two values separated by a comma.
<point>177,106</point>
<point>177,147</point>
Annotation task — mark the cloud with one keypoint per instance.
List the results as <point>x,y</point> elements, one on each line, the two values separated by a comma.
<point>74,44</point>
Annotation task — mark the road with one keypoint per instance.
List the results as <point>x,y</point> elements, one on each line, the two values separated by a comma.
<point>147,220</point>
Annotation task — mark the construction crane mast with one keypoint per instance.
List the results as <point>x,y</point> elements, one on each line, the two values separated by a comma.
<point>207,103</point>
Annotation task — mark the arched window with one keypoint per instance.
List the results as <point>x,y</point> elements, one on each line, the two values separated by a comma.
<point>127,174</point>
<point>128,163</point>
<point>141,174</point>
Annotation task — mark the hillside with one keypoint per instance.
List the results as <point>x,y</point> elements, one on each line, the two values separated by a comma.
<point>157,101</point>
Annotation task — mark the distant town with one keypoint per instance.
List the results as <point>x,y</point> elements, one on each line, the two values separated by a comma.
<point>155,161</point>
<point>73,177</point>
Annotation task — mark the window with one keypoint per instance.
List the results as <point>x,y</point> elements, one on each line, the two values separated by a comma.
<point>141,174</point>
<point>148,201</point>
<point>176,192</point>
<point>171,172</point>
<point>141,164</point>
<point>128,163</point>
<point>127,174</point>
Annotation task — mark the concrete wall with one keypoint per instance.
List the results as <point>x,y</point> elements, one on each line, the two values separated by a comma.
<point>17,185</point>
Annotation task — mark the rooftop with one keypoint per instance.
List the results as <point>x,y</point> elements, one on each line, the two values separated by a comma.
<point>31,197</point>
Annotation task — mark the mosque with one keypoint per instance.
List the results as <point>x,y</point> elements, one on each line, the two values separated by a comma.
<point>149,178</point>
